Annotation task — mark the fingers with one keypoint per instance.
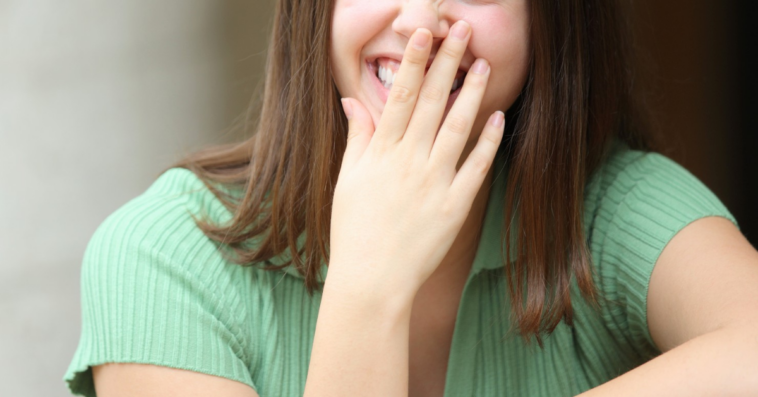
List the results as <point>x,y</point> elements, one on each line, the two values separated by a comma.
<point>454,133</point>
<point>402,97</point>
<point>470,177</point>
<point>435,90</point>
<point>361,128</point>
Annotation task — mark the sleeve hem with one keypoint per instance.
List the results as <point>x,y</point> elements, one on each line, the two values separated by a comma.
<point>80,382</point>
<point>649,274</point>
<point>650,201</point>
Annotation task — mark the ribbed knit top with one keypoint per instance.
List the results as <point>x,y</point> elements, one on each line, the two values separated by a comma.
<point>155,290</point>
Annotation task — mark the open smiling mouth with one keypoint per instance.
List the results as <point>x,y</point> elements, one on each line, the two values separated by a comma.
<point>385,70</point>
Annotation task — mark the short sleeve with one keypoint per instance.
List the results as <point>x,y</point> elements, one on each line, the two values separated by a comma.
<point>154,290</point>
<point>647,200</point>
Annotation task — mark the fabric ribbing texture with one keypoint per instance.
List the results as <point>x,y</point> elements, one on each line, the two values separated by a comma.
<point>155,290</point>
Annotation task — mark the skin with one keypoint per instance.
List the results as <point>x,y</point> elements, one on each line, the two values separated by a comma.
<point>703,314</point>
<point>704,321</point>
<point>399,204</point>
<point>363,28</point>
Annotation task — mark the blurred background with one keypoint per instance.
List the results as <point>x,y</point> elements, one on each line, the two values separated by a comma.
<point>97,98</point>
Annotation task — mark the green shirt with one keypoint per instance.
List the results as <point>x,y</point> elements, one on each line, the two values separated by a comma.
<point>155,290</point>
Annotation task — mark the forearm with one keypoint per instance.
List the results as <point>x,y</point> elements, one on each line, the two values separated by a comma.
<point>360,345</point>
<point>720,363</point>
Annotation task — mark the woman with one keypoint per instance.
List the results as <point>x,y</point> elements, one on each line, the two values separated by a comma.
<point>418,196</point>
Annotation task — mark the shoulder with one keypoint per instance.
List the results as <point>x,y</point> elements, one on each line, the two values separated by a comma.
<point>639,189</point>
<point>156,290</point>
<point>176,191</point>
<point>153,243</point>
<point>635,203</point>
<point>159,222</point>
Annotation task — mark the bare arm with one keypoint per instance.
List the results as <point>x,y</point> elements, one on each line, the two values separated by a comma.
<point>131,380</point>
<point>703,315</point>
<point>360,347</point>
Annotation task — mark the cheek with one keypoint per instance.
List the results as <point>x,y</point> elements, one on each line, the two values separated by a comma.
<point>354,23</point>
<point>350,31</point>
<point>502,38</point>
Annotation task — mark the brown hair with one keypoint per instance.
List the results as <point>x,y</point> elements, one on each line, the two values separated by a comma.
<point>580,94</point>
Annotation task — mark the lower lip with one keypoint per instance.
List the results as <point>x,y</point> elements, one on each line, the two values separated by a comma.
<point>383,92</point>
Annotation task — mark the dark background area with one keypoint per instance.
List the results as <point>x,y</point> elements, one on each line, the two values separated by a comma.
<point>746,84</point>
<point>701,55</point>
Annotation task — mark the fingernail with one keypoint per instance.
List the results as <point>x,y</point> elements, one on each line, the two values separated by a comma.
<point>498,119</point>
<point>461,29</point>
<point>421,38</point>
<point>347,107</point>
<point>480,66</point>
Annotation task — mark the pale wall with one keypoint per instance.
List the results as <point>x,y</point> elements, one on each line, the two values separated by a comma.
<point>95,99</point>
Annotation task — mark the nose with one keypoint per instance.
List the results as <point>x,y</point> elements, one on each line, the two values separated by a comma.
<point>416,14</point>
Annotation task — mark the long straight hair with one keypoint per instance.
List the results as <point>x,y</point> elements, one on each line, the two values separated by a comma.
<point>580,94</point>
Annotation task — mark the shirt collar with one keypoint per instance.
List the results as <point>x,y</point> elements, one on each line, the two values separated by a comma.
<point>491,251</point>
<point>491,244</point>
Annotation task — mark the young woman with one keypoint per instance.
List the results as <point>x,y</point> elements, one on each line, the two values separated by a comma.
<point>453,240</point>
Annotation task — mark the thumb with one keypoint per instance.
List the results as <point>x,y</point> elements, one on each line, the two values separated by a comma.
<point>360,130</point>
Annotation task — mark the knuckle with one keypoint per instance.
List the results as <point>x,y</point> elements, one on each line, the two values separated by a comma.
<point>448,51</point>
<point>480,165</point>
<point>403,159</point>
<point>416,58</point>
<point>491,136</point>
<point>401,94</point>
<point>406,172</point>
<point>427,177</point>
<point>405,154</point>
<point>428,181</point>
<point>430,93</point>
<point>456,124</point>
<point>448,209</point>
<point>476,81</point>
<point>351,136</point>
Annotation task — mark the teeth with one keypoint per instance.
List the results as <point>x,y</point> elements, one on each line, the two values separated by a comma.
<point>388,78</point>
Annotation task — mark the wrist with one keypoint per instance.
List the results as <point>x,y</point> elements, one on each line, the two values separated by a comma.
<point>382,297</point>
<point>361,339</point>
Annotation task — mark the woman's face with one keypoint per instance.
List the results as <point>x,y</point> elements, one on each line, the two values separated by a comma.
<point>368,33</point>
